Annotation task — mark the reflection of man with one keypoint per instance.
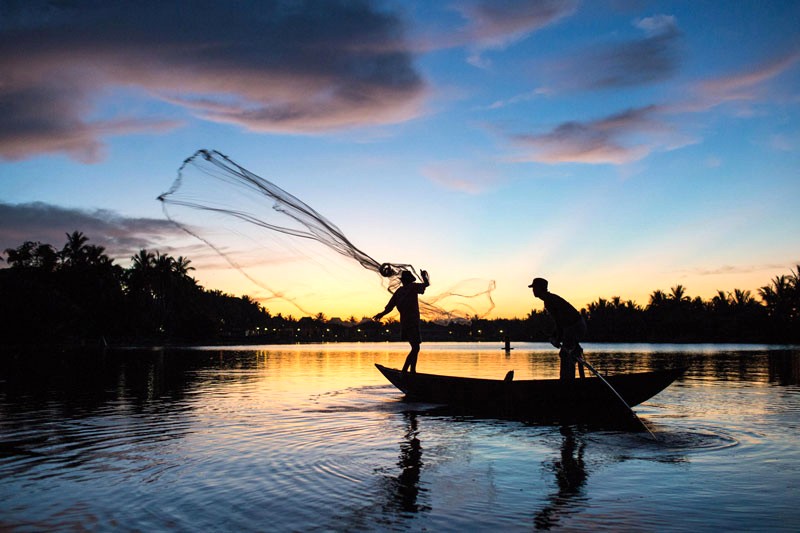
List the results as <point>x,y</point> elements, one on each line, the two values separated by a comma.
<point>411,464</point>
<point>405,299</point>
<point>404,496</point>
<point>570,477</point>
<point>570,328</point>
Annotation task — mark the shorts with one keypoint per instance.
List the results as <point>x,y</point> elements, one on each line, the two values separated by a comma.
<point>573,334</point>
<point>410,333</point>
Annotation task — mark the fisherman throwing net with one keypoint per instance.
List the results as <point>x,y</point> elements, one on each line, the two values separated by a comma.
<point>211,182</point>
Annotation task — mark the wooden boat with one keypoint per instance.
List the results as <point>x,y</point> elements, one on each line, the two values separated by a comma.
<point>540,399</point>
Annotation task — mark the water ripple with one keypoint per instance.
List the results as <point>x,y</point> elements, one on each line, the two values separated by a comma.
<point>321,442</point>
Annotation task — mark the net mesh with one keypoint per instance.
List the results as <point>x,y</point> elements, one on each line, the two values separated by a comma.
<point>210,182</point>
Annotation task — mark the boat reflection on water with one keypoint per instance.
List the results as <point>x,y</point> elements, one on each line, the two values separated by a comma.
<point>313,438</point>
<point>570,472</point>
<point>407,496</point>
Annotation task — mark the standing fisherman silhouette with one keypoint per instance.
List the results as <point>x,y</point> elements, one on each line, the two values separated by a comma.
<point>570,329</point>
<point>405,299</point>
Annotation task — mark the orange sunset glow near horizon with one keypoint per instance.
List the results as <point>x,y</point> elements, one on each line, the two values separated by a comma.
<point>615,148</point>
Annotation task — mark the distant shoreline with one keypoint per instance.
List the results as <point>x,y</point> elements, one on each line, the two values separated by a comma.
<point>99,347</point>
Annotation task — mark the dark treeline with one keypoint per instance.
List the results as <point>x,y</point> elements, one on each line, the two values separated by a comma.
<point>78,295</point>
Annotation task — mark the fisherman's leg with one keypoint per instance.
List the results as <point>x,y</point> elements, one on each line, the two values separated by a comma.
<point>579,358</point>
<point>571,350</point>
<point>567,357</point>
<point>580,334</point>
<point>567,369</point>
<point>411,358</point>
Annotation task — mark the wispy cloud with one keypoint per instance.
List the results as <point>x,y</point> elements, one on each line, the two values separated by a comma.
<point>783,143</point>
<point>459,176</point>
<point>749,84</point>
<point>519,98</point>
<point>121,236</point>
<point>628,136</point>
<point>495,24</point>
<point>653,57</point>
<point>615,139</point>
<point>492,25</point>
<point>741,84</point>
<point>734,269</point>
<point>266,66</point>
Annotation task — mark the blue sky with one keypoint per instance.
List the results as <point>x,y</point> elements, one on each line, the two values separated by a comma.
<point>614,147</point>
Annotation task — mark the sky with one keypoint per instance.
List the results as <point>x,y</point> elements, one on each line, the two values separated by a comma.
<point>614,147</point>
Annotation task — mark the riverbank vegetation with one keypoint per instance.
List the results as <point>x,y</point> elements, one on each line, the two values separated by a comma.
<point>78,295</point>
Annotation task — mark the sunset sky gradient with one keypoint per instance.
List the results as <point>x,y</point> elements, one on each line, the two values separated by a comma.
<point>614,147</point>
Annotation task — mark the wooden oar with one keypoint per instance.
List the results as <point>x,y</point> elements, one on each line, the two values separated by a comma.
<point>583,361</point>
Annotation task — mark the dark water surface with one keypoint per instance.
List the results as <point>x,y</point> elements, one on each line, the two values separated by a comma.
<point>310,438</point>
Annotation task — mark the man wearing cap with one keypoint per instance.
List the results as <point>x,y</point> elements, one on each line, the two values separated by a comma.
<point>570,328</point>
<point>405,299</point>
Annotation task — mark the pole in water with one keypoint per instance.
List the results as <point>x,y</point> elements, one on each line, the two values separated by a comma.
<point>581,360</point>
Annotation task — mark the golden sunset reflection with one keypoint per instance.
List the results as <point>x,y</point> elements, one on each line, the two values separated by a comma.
<point>312,369</point>
<point>313,437</point>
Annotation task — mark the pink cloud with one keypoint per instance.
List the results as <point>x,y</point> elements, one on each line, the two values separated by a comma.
<point>650,58</point>
<point>497,23</point>
<point>751,84</point>
<point>265,66</point>
<point>741,84</point>
<point>493,25</point>
<point>615,139</point>
<point>633,134</point>
<point>122,237</point>
<point>460,177</point>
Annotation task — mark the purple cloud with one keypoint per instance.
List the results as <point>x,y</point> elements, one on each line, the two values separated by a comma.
<point>496,23</point>
<point>460,176</point>
<point>746,85</point>
<point>492,25</point>
<point>652,58</point>
<point>615,139</point>
<point>121,236</point>
<point>633,134</point>
<point>276,66</point>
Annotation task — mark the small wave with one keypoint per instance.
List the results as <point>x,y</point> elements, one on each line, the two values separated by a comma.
<point>672,445</point>
<point>701,439</point>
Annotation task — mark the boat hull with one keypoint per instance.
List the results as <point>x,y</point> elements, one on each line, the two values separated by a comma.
<point>545,399</point>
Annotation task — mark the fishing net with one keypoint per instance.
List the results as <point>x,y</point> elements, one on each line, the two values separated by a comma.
<point>222,190</point>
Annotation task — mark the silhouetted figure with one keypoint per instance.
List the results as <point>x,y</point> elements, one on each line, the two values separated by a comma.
<point>410,464</point>
<point>507,344</point>
<point>407,303</point>
<point>571,476</point>
<point>404,495</point>
<point>570,328</point>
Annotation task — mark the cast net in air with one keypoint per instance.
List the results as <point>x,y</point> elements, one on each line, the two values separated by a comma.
<point>211,183</point>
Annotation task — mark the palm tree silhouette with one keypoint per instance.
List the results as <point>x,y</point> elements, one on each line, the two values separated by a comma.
<point>181,266</point>
<point>782,296</point>
<point>140,273</point>
<point>678,294</point>
<point>721,301</point>
<point>742,298</point>
<point>657,298</point>
<point>75,250</point>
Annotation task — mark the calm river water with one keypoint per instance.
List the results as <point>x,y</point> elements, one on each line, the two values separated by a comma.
<point>311,437</point>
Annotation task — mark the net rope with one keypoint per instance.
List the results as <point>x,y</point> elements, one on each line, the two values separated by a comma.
<point>274,209</point>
